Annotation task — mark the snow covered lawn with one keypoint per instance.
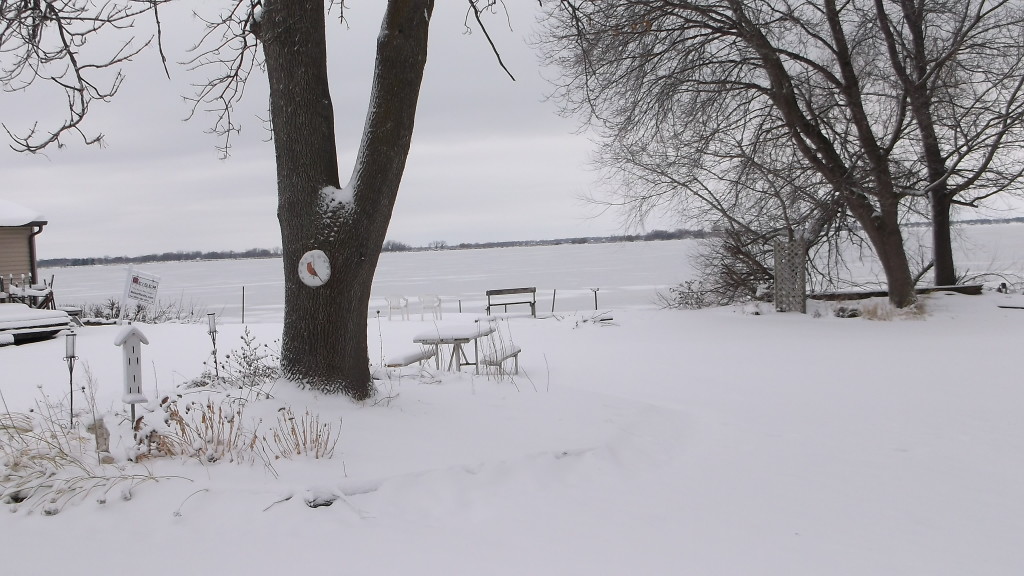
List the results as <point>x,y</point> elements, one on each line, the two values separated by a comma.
<point>668,442</point>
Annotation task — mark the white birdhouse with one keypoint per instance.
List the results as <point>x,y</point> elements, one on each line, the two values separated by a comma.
<point>131,339</point>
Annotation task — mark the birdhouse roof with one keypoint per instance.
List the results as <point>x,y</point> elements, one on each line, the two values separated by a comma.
<point>129,332</point>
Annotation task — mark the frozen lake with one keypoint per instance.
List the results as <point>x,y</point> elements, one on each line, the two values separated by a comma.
<point>627,274</point>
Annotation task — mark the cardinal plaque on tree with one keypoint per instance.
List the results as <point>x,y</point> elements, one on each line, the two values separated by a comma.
<point>314,268</point>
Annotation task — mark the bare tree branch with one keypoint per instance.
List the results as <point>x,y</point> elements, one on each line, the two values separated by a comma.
<point>49,43</point>
<point>476,7</point>
<point>228,51</point>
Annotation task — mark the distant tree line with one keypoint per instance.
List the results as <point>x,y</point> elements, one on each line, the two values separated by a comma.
<point>678,234</point>
<point>398,246</point>
<point>972,222</point>
<point>180,256</point>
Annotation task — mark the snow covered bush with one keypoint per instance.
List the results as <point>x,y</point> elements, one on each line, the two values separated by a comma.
<point>688,295</point>
<point>208,430</point>
<point>253,367</point>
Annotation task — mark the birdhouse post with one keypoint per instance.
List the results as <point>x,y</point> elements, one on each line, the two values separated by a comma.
<point>131,339</point>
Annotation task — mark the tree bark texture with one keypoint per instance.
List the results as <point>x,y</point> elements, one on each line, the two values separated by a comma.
<point>324,342</point>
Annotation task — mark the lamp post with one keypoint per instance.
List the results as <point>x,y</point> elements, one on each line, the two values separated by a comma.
<point>70,357</point>
<point>211,319</point>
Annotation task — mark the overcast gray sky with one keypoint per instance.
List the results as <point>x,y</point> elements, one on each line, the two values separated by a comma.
<point>491,160</point>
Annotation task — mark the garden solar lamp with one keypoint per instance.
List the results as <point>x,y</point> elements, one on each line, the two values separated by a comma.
<point>211,319</point>
<point>70,357</point>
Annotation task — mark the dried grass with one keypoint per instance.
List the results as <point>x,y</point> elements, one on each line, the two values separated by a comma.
<point>305,435</point>
<point>46,464</point>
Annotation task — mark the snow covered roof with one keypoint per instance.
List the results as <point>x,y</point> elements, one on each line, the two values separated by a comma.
<point>12,214</point>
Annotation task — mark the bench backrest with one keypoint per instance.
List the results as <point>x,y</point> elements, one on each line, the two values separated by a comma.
<point>531,290</point>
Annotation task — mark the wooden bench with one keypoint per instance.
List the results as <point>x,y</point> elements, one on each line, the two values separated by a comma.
<point>498,357</point>
<point>495,298</point>
<point>401,360</point>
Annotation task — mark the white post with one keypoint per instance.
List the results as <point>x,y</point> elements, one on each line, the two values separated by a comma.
<point>124,297</point>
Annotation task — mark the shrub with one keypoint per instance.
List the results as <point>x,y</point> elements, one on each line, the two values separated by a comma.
<point>162,312</point>
<point>253,367</point>
<point>215,430</point>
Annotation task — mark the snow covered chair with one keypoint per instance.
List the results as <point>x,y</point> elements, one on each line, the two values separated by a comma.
<point>399,303</point>
<point>400,360</point>
<point>431,302</point>
<point>496,358</point>
<point>497,349</point>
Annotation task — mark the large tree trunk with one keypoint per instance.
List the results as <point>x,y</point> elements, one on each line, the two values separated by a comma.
<point>942,239</point>
<point>881,223</point>
<point>883,230</point>
<point>915,82</point>
<point>324,340</point>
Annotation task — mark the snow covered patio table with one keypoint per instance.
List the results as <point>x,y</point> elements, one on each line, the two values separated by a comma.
<point>456,336</point>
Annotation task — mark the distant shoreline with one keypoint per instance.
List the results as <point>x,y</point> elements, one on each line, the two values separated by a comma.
<point>395,246</point>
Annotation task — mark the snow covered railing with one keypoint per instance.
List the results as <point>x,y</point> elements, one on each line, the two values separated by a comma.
<point>34,295</point>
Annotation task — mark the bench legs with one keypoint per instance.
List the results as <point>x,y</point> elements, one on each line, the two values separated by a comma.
<point>533,307</point>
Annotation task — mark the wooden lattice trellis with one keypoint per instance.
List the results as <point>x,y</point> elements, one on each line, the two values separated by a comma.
<point>790,275</point>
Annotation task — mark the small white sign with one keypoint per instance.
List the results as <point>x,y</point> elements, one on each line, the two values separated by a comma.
<point>142,287</point>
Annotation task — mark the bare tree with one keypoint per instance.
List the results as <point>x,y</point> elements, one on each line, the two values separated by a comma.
<point>712,85</point>
<point>718,107</point>
<point>324,340</point>
<point>959,65</point>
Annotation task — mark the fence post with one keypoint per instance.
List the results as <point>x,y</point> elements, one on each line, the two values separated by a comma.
<point>790,275</point>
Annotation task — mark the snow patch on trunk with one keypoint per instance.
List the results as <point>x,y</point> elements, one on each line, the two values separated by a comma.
<point>332,198</point>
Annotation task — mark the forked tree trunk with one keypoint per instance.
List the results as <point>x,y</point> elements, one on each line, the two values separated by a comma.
<point>324,340</point>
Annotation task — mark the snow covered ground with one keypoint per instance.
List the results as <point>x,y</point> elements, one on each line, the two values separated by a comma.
<point>728,441</point>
